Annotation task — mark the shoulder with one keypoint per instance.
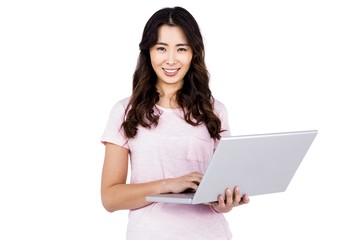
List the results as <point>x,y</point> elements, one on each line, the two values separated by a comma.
<point>219,107</point>
<point>221,111</point>
<point>121,104</point>
<point>119,107</point>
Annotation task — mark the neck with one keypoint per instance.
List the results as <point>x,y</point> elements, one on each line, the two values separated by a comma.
<point>167,96</point>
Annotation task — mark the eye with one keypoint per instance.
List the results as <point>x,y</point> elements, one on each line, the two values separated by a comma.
<point>182,50</point>
<point>161,49</point>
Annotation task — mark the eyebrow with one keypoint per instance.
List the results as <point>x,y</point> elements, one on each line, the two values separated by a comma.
<point>177,45</point>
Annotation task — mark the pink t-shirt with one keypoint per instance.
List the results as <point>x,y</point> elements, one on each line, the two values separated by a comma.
<point>172,149</point>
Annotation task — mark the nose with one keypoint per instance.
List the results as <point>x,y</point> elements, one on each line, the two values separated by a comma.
<point>171,58</point>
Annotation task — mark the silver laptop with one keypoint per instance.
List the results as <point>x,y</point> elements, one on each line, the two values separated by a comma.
<point>257,164</point>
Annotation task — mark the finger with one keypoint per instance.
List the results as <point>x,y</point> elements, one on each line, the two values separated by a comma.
<point>229,197</point>
<point>245,199</point>
<point>195,177</point>
<point>193,185</point>
<point>237,197</point>
<point>221,201</point>
<point>198,178</point>
<point>193,182</point>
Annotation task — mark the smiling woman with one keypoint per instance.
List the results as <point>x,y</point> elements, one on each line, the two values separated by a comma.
<point>169,128</point>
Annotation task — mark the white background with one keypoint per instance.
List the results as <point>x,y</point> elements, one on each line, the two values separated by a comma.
<point>277,65</point>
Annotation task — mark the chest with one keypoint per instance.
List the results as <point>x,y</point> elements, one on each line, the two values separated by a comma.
<point>174,137</point>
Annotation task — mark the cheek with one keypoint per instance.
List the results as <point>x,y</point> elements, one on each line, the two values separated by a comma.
<point>186,60</point>
<point>156,59</point>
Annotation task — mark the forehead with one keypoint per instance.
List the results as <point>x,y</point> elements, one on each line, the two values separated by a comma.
<point>171,34</point>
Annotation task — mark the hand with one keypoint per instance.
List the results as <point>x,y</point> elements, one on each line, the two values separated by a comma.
<point>180,184</point>
<point>232,200</point>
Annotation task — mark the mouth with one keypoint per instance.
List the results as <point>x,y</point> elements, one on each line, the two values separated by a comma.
<point>170,72</point>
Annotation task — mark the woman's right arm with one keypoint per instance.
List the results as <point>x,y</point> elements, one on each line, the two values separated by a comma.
<point>117,195</point>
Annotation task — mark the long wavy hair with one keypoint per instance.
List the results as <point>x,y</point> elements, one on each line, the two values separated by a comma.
<point>195,97</point>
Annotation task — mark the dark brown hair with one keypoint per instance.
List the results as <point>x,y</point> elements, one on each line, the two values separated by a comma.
<point>194,97</point>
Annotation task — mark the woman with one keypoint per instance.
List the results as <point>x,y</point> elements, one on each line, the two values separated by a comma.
<point>169,128</point>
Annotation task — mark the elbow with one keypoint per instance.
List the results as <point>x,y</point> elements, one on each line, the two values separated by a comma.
<point>108,204</point>
<point>108,207</point>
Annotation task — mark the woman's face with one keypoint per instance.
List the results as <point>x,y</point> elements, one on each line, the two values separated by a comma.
<point>171,56</point>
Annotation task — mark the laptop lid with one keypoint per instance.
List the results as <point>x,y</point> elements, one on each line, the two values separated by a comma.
<point>257,164</point>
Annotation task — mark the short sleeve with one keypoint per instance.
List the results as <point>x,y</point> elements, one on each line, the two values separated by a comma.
<point>222,113</point>
<point>113,132</point>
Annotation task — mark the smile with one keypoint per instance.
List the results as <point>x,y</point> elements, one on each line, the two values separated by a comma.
<point>171,72</point>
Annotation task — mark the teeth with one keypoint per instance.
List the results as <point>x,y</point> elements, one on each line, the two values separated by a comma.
<point>170,71</point>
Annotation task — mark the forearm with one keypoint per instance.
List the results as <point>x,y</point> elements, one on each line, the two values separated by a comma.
<point>130,196</point>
